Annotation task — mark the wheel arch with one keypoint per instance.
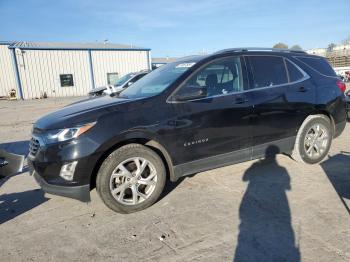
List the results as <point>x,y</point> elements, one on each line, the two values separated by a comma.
<point>151,143</point>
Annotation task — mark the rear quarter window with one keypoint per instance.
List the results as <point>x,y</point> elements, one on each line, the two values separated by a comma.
<point>318,64</point>
<point>294,73</point>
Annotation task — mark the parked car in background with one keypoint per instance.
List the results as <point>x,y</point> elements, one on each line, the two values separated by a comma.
<point>124,82</point>
<point>347,97</point>
<point>342,78</point>
<point>347,76</point>
<point>192,115</point>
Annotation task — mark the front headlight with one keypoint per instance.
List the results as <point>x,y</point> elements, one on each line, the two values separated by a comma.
<point>60,135</point>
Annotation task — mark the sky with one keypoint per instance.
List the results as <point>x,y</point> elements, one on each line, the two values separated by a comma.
<point>179,27</point>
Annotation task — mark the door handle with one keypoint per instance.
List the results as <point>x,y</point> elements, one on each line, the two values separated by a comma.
<point>241,100</point>
<point>303,89</point>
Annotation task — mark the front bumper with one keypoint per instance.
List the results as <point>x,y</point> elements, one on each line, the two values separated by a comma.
<point>47,161</point>
<point>81,192</point>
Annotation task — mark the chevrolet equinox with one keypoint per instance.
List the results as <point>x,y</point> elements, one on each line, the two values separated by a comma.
<point>192,115</point>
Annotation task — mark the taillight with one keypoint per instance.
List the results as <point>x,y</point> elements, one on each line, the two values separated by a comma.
<point>341,85</point>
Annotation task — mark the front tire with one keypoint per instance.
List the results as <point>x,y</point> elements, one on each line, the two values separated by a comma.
<point>314,140</point>
<point>131,178</point>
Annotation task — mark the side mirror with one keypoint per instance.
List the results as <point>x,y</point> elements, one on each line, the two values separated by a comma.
<point>129,83</point>
<point>193,93</point>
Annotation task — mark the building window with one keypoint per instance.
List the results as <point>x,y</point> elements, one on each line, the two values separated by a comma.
<point>66,80</point>
<point>112,78</point>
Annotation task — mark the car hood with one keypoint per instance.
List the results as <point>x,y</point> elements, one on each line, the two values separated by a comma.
<point>78,113</point>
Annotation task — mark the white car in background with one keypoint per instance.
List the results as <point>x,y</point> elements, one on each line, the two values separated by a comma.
<point>122,83</point>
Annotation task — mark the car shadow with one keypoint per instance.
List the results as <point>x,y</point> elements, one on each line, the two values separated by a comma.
<point>170,186</point>
<point>15,204</point>
<point>337,169</point>
<point>265,231</point>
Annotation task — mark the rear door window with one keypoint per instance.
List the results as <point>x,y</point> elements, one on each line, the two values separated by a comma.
<point>268,71</point>
<point>318,64</point>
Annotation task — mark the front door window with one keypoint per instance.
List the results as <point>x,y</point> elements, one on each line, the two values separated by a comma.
<point>223,76</point>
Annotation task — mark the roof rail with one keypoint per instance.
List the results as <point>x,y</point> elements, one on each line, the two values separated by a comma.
<point>246,49</point>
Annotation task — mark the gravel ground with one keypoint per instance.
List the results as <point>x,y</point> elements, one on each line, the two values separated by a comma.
<point>267,210</point>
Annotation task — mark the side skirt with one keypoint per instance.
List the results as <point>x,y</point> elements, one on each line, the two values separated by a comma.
<point>212,162</point>
<point>284,145</point>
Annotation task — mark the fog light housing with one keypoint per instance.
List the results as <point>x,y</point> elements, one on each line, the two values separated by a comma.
<point>67,171</point>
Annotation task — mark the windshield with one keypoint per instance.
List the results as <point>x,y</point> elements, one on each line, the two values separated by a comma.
<point>124,79</point>
<point>156,81</point>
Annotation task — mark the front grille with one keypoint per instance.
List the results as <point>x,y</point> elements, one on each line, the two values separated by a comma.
<point>34,146</point>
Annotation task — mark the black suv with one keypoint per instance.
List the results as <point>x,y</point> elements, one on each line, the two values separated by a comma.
<point>192,115</point>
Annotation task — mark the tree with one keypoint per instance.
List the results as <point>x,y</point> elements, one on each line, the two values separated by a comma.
<point>330,47</point>
<point>280,46</point>
<point>296,47</point>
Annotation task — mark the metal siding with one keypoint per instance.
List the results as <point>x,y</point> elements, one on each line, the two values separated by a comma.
<point>121,62</point>
<point>43,68</point>
<point>39,70</point>
<point>7,73</point>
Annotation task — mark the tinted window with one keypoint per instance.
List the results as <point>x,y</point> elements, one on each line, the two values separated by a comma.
<point>220,77</point>
<point>319,64</point>
<point>268,71</point>
<point>138,77</point>
<point>66,80</point>
<point>294,72</point>
<point>124,79</point>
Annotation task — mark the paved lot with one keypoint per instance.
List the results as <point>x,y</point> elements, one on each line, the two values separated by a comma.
<point>269,210</point>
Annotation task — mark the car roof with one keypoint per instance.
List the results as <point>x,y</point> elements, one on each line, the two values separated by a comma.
<point>259,49</point>
<point>245,50</point>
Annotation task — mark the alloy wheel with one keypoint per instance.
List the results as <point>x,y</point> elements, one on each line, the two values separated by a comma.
<point>133,181</point>
<point>316,140</point>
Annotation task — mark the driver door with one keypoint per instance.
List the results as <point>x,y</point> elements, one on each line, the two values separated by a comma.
<point>214,130</point>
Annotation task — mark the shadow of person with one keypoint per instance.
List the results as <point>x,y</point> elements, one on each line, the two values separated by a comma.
<point>265,231</point>
<point>15,204</point>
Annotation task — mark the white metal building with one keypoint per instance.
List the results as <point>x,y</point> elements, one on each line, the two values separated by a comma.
<point>65,69</point>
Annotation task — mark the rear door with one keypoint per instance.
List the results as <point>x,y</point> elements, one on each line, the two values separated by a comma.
<point>280,102</point>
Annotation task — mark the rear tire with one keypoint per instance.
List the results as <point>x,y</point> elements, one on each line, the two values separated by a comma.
<point>313,140</point>
<point>131,178</point>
